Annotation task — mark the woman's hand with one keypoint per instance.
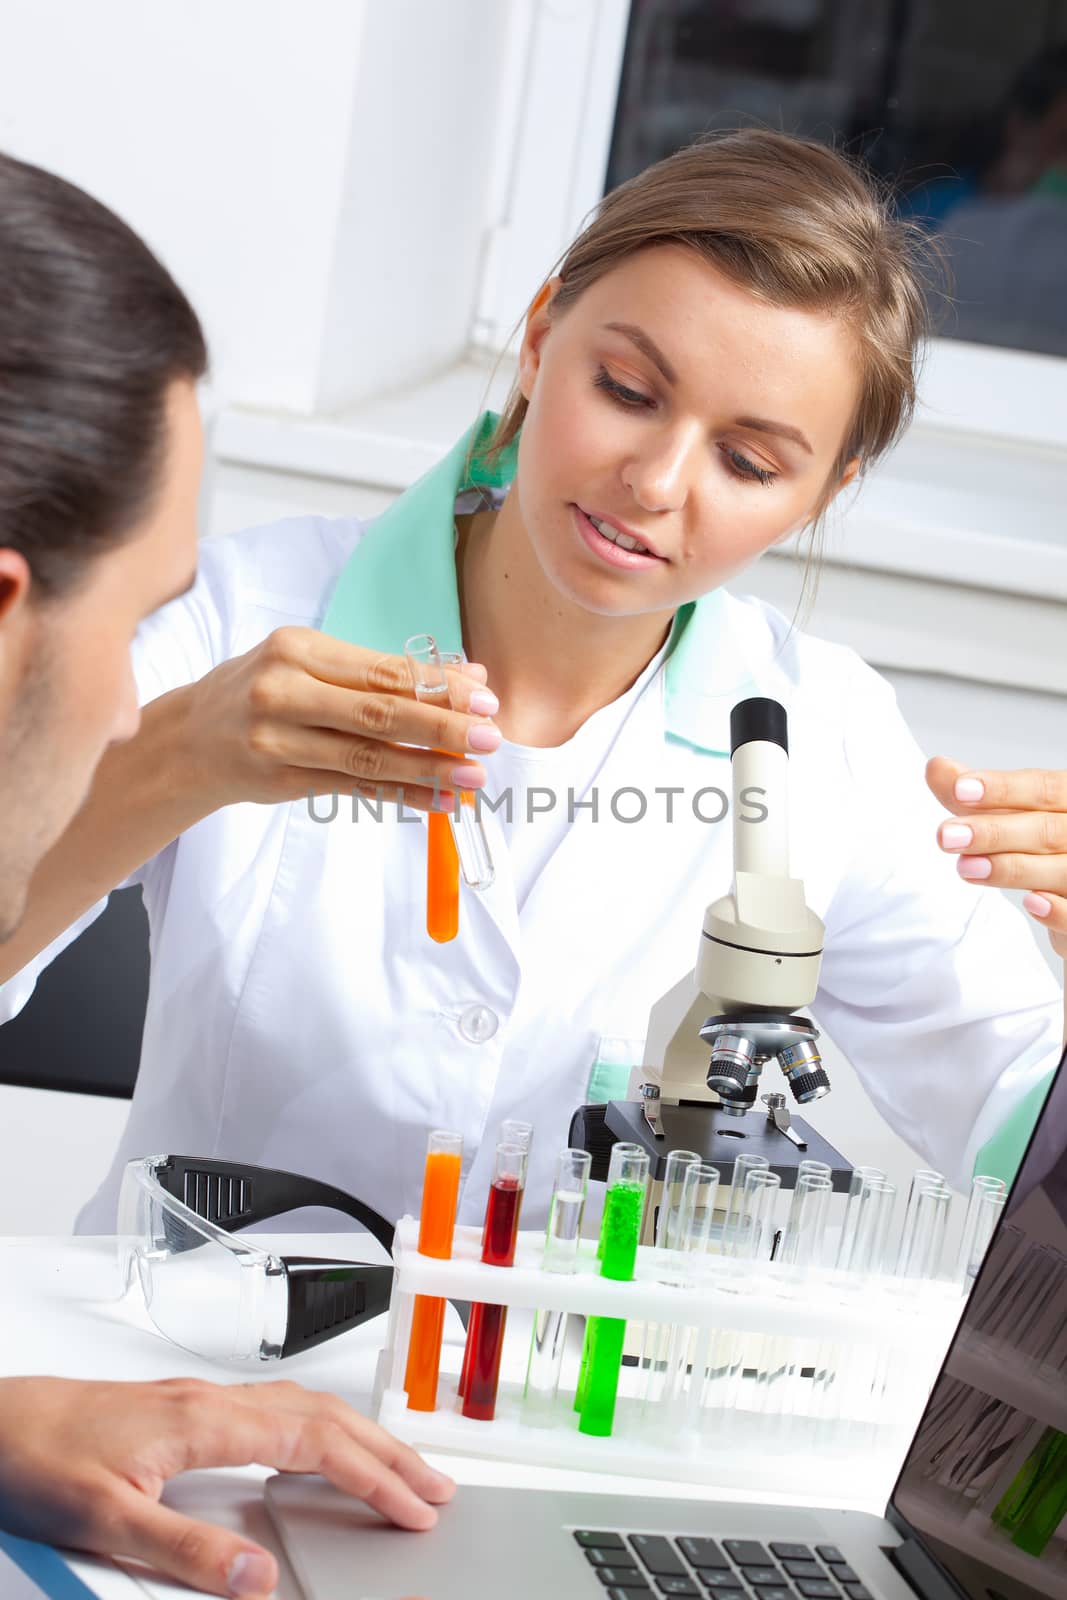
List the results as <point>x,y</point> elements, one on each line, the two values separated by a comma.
<point>1010,829</point>
<point>304,713</point>
<point>83,1464</point>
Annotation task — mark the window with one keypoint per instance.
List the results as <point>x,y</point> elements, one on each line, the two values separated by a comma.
<point>962,107</point>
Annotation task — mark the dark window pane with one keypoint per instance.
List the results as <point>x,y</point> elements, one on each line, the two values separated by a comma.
<point>962,106</point>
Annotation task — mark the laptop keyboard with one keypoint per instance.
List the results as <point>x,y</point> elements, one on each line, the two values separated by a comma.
<point>633,1564</point>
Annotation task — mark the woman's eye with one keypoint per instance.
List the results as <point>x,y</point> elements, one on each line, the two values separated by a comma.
<point>631,398</point>
<point>746,468</point>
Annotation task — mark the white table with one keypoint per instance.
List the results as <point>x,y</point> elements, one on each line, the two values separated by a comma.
<point>62,1316</point>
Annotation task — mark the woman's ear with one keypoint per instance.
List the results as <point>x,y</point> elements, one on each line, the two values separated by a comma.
<point>538,322</point>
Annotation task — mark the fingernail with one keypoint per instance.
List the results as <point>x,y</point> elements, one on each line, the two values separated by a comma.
<point>251,1572</point>
<point>467,777</point>
<point>956,836</point>
<point>1037,905</point>
<point>974,866</point>
<point>969,790</point>
<point>483,703</point>
<point>483,736</point>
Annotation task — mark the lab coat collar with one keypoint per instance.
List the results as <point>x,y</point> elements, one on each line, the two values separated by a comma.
<point>401,580</point>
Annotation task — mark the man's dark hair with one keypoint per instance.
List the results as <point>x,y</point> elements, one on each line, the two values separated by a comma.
<point>93,330</point>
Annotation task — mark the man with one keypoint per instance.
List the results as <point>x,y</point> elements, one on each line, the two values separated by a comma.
<point>100,457</point>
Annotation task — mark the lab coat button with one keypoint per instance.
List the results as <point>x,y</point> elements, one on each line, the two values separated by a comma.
<point>478,1023</point>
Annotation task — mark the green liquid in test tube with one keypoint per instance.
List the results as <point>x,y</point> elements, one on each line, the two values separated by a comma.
<point>620,1231</point>
<point>624,1147</point>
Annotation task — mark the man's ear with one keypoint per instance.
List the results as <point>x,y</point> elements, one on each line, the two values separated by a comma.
<point>15,582</point>
<point>538,322</point>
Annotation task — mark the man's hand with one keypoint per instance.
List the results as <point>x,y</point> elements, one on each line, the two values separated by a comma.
<point>1011,831</point>
<point>83,1464</point>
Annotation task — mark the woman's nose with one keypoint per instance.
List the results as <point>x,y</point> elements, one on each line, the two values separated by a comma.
<point>658,477</point>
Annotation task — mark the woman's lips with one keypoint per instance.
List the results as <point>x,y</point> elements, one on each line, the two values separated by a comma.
<point>613,554</point>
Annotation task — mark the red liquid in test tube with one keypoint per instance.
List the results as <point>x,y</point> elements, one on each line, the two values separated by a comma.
<point>485,1336</point>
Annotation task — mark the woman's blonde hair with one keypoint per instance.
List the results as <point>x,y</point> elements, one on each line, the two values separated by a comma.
<point>797,224</point>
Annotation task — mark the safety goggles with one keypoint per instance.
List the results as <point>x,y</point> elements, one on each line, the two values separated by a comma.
<point>224,1297</point>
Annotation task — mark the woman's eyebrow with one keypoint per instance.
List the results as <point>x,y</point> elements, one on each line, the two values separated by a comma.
<point>638,337</point>
<point>784,429</point>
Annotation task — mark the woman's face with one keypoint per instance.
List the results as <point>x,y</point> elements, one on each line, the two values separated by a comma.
<point>672,407</point>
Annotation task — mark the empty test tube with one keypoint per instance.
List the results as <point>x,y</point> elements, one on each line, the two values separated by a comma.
<point>485,1335</point>
<point>872,1240</point>
<point>657,1338</point>
<point>437,1220</point>
<point>562,1237</point>
<point>988,1196</point>
<point>700,1187</point>
<point>475,857</point>
<point>803,1244</point>
<point>921,1178</point>
<point>860,1176</point>
<point>922,1246</point>
<point>620,1230</point>
<point>735,1209</point>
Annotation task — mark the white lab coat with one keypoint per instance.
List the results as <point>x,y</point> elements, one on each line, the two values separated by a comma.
<point>299,1016</point>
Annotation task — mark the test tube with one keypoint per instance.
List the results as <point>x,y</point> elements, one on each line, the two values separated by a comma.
<point>620,1230</point>
<point>752,1236</point>
<point>988,1196</point>
<point>475,857</point>
<point>734,1211</point>
<point>700,1188</point>
<point>437,1220</point>
<point>562,1237</point>
<point>921,1178</point>
<point>442,856</point>
<point>926,1228</point>
<point>803,1244</point>
<point>860,1176</point>
<point>656,1340</point>
<point>871,1245</point>
<point>513,1131</point>
<point>485,1335</point>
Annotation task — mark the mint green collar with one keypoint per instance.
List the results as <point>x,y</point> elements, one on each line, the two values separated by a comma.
<point>401,580</point>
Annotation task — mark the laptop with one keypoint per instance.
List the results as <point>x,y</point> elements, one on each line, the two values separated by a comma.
<point>979,1509</point>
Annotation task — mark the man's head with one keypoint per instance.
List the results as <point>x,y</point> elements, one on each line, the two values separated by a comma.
<point>100,456</point>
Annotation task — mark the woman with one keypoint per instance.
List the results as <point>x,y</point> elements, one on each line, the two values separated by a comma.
<point>727,345</point>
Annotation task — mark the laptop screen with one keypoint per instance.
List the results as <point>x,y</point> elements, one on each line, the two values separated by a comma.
<point>984,1486</point>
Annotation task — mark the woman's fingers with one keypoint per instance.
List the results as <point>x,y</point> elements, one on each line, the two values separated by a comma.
<point>376,764</point>
<point>351,666</point>
<point>1050,910</point>
<point>966,792</point>
<point>1027,832</point>
<point>309,703</point>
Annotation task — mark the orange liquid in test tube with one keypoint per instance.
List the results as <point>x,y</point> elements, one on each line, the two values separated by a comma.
<point>440,1194</point>
<point>442,880</point>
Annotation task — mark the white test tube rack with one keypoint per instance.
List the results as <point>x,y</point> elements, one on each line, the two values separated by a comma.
<point>827,1363</point>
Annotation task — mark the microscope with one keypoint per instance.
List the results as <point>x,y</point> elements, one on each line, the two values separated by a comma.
<point>741,1007</point>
